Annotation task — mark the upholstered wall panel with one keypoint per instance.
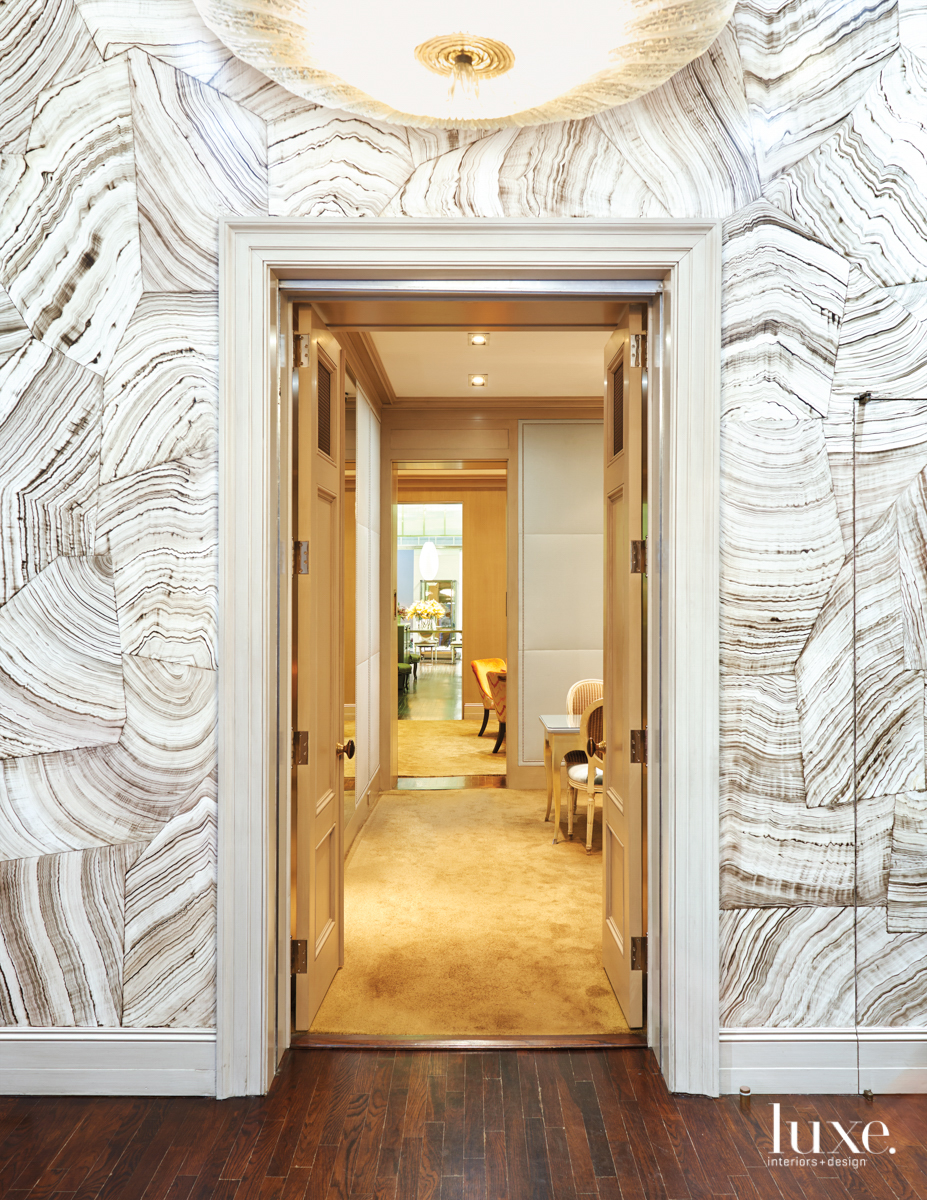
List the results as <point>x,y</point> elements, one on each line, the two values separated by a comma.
<point>124,134</point>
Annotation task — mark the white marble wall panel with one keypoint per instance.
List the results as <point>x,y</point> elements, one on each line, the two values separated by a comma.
<point>49,461</point>
<point>331,164</point>
<point>198,156</point>
<point>61,938</point>
<point>41,41</point>
<point>788,967</point>
<point>127,792</point>
<point>691,140</point>
<point>912,25</point>
<point>874,747</point>
<point>781,547</point>
<point>806,65</point>
<point>774,850</point>
<point>907,880</point>
<point>254,91</point>
<point>69,253</point>
<point>568,170</point>
<point>170,922</point>
<point>168,608</point>
<point>864,191</point>
<point>426,144</point>
<point>14,332</point>
<point>890,975</point>
<point>60,661</point>
<point>160,396</point>
<point>171,30</point>
<point>784,294</point>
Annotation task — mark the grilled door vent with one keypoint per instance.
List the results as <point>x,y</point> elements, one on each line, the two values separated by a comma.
<point>325,409</point>
<point>618,410</point>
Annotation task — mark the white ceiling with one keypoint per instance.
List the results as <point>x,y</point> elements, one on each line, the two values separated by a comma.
<point>559,363</point>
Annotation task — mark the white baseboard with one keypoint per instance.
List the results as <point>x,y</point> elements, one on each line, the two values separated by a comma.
<point>842,1060</point>
<point>107,1062</point>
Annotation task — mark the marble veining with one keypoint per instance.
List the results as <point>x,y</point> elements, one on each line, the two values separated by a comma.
<point>566,170</point>
<point>198,155</point>
<point>160,395</point>
<point>912,25</point>
<point>864,191</point>
<point>14,332</point>
<point>49,461</point>
<point>806,66</point>
<point>331,164</point>
<point>254,91</point>
<point>426,144</point>
<point>691,140</point>
<point>774,850</point>
<point>61,937</point>
<point>171,30</point>
<point>907,878</point>
<point>890,975</point>
<point>889,700</point>
<point>788,966</point>
<point>784,299</point>
<point>168,608</point>
<point>39,43</point>
<point>170,921</point>
<point>776,493</point>
<point>82,798</point>
<point>60,661</point>
<point>69,250</point>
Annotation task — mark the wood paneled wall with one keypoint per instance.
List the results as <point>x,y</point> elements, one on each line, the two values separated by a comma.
<point>350,592</point>
<point>484,567</point>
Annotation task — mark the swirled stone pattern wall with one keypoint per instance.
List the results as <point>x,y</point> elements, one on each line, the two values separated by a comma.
<point>124,135</point>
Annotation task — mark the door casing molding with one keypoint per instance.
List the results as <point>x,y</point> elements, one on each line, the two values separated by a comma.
<point>256,257</point>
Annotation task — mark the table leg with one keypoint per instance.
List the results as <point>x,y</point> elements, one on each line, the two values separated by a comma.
<point>549,775</point>
<point>556,781</point>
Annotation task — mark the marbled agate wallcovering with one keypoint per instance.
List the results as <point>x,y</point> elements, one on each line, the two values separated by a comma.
<point>126,130</point>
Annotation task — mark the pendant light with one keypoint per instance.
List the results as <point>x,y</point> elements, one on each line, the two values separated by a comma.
<point>483,64</point>
<point>428,562</point>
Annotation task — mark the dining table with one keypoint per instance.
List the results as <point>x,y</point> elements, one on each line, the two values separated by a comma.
<point>562,733</point>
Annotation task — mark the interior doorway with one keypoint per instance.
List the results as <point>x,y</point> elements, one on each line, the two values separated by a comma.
<point>550,451</point>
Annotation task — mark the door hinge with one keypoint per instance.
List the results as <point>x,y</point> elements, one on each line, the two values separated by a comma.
<point>300,748</point>
<point>299,956</point>
<point>639,954</point>
<point>301,346</point>
<point>639,350</point>
<point>639,558</point>
<point>300,558</point>
<point>639,746</point>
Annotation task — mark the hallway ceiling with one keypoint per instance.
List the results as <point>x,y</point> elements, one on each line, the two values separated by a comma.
<point>423,364</point>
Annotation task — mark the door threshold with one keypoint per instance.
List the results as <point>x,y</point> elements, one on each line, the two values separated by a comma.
<point>573,1041</point>
<point>441,783</point>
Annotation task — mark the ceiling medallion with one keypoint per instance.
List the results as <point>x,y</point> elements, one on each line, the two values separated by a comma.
<point>527,66</point>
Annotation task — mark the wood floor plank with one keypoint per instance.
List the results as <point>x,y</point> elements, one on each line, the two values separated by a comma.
<point>410,1160</point>
<point>429,1168</point>
<point>346,1152</point>
<point>538,1163</point>
<point>491,1064</point>
<point>473,1141</point>
<point>494,1162</point>
<point>366,1160</point>
<point>516,1149</point>
<point>561,1171</point>
<point>528,1077</point>
<point>417,1096</point>
<point>452,1163</point>
<point>456,1070</point>
<point>648,1171</point>
<point>493,1117</point>
<point>575,1130</point>
<point>256,1170</point>
<point>320,1176</point>
<point>437,1090</point>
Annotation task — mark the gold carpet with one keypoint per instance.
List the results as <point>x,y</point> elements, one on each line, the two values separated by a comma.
<point>461,918</point>
<point>449,748</point>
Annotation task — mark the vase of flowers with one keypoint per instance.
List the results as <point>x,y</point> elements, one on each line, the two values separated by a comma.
<point>424,613</point>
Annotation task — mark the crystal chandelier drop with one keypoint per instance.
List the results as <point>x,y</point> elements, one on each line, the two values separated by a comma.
<point>479,65</point>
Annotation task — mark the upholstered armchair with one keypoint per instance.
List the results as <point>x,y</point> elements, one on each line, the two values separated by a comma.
<point>579,697</point>
<point>480,667</point>
<point>497,682</point>
<point>588,777</point>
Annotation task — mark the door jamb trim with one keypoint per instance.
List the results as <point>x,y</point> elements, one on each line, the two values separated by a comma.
<point>255,257</point>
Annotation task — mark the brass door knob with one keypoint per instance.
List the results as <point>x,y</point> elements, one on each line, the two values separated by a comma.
<point>347,749</point>
<point>595,749</point>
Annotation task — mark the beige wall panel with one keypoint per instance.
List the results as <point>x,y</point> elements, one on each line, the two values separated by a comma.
<point>350,578</point>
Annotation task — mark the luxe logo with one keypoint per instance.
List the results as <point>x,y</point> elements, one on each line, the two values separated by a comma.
<point>866,1141</point>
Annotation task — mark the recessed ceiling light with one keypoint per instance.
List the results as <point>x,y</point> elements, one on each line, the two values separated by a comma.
<point>478,380</point>
<point>478,339</point>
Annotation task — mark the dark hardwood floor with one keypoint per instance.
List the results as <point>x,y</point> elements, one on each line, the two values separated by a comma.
<point>443,1125</point>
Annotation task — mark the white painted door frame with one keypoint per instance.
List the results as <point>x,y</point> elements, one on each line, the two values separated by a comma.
<point>256,258</point>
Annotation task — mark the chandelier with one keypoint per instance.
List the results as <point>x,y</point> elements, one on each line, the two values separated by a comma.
<point>480,65</point>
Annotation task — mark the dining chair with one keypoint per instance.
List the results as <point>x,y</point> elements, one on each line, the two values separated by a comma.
<point>589,776</point>
<point>479,667</point>
<point>578,699</point>
<point>497,683</point>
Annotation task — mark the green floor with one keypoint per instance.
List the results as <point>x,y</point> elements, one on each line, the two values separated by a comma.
<point>436,695</point>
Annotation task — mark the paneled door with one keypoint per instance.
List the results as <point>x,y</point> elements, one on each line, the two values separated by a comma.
<point>625,664</point>
<point>318,674</point>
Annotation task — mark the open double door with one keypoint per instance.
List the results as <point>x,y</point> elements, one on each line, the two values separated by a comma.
<point>317,916</point>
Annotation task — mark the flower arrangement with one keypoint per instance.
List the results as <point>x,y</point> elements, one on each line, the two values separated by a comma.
<point>425,610</point>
